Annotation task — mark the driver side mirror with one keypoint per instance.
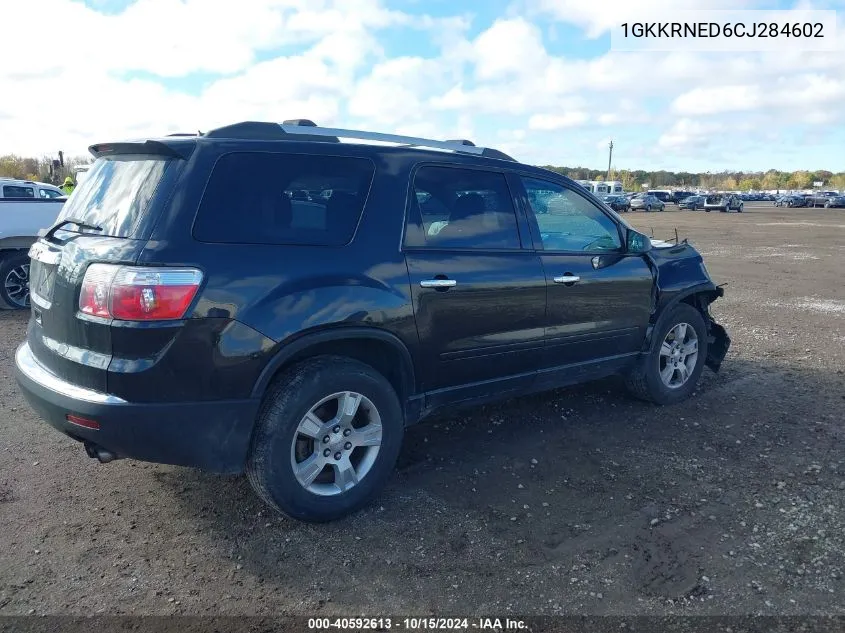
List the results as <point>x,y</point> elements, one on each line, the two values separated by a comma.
<point>637,242</point>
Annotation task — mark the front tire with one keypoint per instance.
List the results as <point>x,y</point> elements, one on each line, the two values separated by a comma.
<point>648,209</point>
<point>670,371</point>
<point>326,440</point>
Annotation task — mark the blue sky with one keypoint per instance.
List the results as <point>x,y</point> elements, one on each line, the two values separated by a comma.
<point>535,78</point>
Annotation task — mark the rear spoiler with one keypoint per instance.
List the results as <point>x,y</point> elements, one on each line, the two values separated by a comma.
<point>177,150</point>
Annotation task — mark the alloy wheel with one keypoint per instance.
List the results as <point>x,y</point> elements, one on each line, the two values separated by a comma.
<point>336,443</point>
<point>678,355</point>
<point>16,285</point>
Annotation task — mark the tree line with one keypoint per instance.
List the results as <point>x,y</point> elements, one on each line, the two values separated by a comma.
<point>41,169</point>
<point>726,180</point>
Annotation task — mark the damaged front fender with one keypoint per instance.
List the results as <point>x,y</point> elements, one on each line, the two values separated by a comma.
<point>680,276</point>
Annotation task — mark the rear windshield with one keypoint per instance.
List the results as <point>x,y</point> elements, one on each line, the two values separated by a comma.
<point>275,198</point>
<point>714,199</point>
<point>115,193</point>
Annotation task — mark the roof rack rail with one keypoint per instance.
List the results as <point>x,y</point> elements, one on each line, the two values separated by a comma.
<point>263,131</point>
<point>462,146</point>
<point>307,130</point>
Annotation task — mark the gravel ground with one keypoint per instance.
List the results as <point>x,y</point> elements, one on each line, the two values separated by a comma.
<point>580,501</point>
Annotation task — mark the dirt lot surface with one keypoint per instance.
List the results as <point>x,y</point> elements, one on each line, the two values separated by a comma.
<point>577,501</point>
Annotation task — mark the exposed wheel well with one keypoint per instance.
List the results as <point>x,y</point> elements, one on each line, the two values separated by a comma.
<point>382,356</point>
<point>701,300</point>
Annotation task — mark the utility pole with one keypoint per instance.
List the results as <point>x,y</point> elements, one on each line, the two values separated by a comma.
<point>609,159</point>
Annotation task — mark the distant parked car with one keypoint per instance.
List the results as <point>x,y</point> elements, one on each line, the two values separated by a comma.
<point>791,201</point>
<point>28,190</point>
<point>835,202</point>
<point>680,196</point>
<point>648,202</point>
<point>692,202</point>
<point>820,198</point>
<point>664,195</point>
<point>723,202</point>
<point>617,203</point>
<point>26,207</point>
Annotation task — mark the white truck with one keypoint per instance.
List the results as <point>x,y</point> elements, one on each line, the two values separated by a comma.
<point>26,207</point>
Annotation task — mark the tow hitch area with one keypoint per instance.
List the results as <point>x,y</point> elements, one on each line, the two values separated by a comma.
<point>98,452</point>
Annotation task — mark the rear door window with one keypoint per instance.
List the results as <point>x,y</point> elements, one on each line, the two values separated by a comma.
<point>116,193</point>
<point>465,208</point>
<point>275,198</point>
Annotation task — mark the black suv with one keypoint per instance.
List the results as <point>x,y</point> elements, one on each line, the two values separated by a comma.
<point>191,306</point>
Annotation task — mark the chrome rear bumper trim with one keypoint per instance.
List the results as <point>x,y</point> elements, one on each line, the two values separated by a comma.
<point>33,370</point>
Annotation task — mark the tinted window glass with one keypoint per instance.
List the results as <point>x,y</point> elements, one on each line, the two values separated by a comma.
<point>16,191</point>
<point>49,193</point>
<point>116,193</point>
<point>465,208</point>
<point>272,198</point>
<point>569,221</point>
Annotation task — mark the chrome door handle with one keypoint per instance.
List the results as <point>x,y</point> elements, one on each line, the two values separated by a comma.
<point>567,279</point>
<point>438,283</point>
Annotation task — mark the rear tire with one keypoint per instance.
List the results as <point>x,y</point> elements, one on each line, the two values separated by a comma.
<point>648,209</point>
<point>645,381</point>
<point>279,444</point>
<point>14,281</point>
<point>740,209</point>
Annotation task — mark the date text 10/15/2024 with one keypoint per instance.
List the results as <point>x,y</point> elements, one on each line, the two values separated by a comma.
<point>417,624</point>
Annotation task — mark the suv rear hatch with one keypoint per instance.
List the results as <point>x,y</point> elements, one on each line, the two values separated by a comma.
<point>107,220</point>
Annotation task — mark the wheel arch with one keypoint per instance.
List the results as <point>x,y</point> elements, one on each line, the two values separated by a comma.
<point>380,349</point>
<point>699,297</point>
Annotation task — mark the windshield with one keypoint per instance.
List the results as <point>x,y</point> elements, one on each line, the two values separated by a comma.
<point>115,193</point>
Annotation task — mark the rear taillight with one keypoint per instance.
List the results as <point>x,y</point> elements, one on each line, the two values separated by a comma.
<point>138,293</point>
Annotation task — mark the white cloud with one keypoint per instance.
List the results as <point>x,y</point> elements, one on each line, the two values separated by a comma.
<point>689,134</point>
<point>508,47</point>
<point>557,121</point>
